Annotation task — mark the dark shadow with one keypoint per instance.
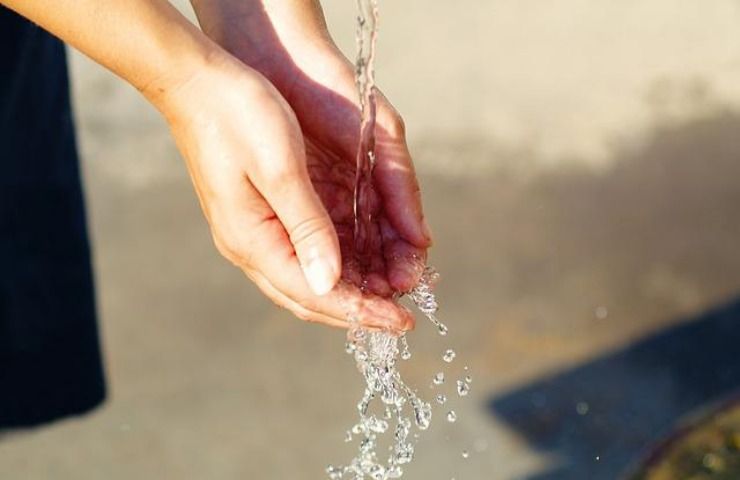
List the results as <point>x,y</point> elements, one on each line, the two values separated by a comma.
<point>601,416</point>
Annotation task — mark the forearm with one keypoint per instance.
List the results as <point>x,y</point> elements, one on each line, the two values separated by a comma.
<point>287,19</point>
<point>266,34</point>
<point>146,42</point>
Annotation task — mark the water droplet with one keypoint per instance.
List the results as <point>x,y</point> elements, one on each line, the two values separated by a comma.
<point>601,312</point>
<point>350,347</point>
<point>394,472</point>
<point>465,454</point>
<point>335,473</point>
<point>404,453</point>
<point>439,378</point>
<point>449,356</point>
<point>451,416</point>
<point>468,379</point>
<point>582,408</point>
<point>348,436</point>
<point>442,329</point>
<point>376,425</point>
<point>405,352</point>
<point>423,415</point>
<point>358,334</point>
<point>377,472</point>
<point>441,399</point>
<point>462,388</point>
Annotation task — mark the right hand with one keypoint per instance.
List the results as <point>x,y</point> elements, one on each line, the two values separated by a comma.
<point>246,156</point>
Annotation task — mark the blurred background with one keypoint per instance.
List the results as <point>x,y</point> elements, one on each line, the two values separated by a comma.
<point>580,163</point>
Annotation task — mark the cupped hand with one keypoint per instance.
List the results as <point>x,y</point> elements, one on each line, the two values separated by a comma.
<point>288,42</point>
<point>279,201</point>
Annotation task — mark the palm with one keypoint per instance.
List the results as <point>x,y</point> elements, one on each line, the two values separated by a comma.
<point>385,261</point>
<point>318,84</point>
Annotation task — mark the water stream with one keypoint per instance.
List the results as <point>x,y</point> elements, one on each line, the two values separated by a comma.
<point>389,409</point>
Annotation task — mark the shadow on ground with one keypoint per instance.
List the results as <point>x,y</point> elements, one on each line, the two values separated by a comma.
<point>599,417</point>
<point>671,203</point>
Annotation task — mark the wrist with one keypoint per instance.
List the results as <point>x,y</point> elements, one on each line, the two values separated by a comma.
<point>179,67</point>
<point>215,83</point>
<point>269,36</point>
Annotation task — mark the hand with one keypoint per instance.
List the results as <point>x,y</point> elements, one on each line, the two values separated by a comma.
<point>289,44</point>
<point>246,155</point>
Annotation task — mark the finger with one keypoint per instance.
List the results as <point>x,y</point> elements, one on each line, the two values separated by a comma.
<point>404,262</point>
<point>282,300</point>
<point>281,177</point>
<point>344,301</point>
<point>258,242</point>
<point>396,178</point>
<point>306,314</point>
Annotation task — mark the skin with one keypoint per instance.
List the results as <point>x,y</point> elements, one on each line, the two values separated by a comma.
<point>263,109</point>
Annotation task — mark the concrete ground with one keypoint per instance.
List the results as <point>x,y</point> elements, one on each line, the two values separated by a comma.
<point>580,166</point>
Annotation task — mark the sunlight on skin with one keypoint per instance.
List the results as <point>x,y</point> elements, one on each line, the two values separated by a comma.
<point>265,169</point>
<point>289,44</point>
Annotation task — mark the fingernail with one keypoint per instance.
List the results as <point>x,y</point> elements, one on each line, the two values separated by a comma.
<point>320,275</point>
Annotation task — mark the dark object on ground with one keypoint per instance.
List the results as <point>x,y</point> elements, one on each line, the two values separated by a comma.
<point>704,447</point>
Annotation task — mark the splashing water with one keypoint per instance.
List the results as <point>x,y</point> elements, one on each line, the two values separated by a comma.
<point>388,403</point>
<point>376,354</point>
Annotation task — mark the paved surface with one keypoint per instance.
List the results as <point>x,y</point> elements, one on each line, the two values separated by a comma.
<point>580,169</point>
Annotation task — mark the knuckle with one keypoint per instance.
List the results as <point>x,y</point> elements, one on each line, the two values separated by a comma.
<point>308,229</point>
<point>281,175</point>
<point>234,247</point>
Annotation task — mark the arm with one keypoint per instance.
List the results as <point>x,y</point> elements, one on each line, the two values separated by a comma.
<point>147,43</point>
<point>240,140</point>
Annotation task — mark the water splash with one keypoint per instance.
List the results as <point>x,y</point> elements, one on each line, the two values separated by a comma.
<point>388,404</point>
<point>376,355</point>
<point>423,297</point>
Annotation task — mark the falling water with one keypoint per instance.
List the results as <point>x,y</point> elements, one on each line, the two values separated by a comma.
<point>388,404</point>
<point>367,32</point>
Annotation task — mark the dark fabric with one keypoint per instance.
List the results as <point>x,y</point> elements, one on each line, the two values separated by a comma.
<point>50,363</point>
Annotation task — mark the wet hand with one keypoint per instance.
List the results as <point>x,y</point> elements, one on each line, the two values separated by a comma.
<point>288,43</point>
<point>257,178</point>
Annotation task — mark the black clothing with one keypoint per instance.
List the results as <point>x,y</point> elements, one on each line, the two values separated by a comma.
<point>50,363</point>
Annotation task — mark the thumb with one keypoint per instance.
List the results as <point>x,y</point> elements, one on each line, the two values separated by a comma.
<point>298,207</point>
